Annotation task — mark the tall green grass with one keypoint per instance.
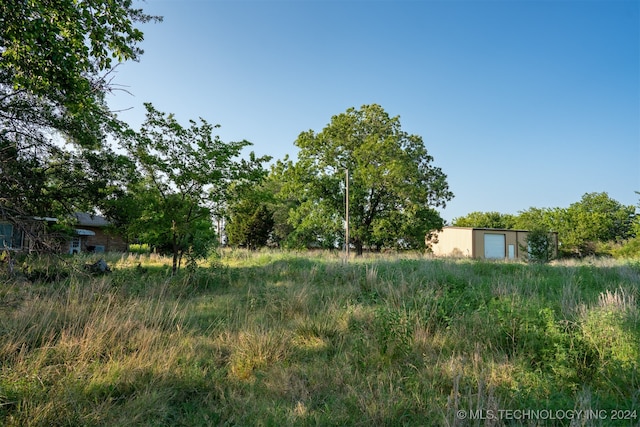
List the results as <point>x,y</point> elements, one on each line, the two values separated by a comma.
<point>271,338</point>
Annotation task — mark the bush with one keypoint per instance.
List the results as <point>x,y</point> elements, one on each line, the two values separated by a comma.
<point>142,248</point>
<point>540,246</point>
<point>629,249</point>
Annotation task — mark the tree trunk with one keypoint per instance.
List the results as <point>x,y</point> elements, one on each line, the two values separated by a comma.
<point>175,251</point>
<point>358,245</point>
<point>175,262</point>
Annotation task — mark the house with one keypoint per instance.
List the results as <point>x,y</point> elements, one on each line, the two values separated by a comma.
<point>92,234</point>
<point>11,237</point>
<point>483,243</point>
<point>18,232</point>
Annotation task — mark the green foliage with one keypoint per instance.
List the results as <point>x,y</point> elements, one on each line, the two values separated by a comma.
<point>596,218</point>
<point>394,333</point>
<point>281,203</point>
<point>137,248</point>
<point>56,58</point>
<point>613,335</point>
<point>315,225</point>
<point>628,249</point>
<point>392,182</point>
<point>57,48</point>
<point>486,220</point>
<point>551,346</point>
<point>635,226</point>
<point>540,246</point>
<point>250,222</point>
<point>303,218</point>
<point>405,230</point>
<point>186,174</point>
<point>252,229</point>
<point>591,226</point>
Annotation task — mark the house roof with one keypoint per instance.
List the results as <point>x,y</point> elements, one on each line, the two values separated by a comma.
<point>90,220</point>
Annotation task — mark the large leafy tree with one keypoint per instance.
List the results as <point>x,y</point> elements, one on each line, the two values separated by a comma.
<point>186,174</point>
<point>300,220</point>
<point>56,59</point>
<point>393,189</point>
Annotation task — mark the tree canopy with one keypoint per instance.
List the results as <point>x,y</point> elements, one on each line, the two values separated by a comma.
<point>185,175</point>
<point>56,59</point>
<point>59,50</point>
<point>485,220</point>
<point>393,189</point>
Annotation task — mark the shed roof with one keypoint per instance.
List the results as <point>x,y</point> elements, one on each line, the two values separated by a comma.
<point>490,229</point>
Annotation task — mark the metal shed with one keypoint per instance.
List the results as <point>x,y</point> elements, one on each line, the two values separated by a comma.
<point>482,243</point>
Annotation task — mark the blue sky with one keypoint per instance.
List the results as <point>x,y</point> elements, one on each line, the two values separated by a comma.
<point>521,103</point>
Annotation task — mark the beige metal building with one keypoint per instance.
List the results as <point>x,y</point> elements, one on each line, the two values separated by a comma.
<point>482,243</point>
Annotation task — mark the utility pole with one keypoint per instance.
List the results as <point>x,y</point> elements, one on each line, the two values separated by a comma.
<point>346,215</point>
<point>220,231</point>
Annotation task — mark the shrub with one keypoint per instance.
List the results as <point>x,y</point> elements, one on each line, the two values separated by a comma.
<point>540,246</point>
<point>142,248</point>
<point>629,249</point>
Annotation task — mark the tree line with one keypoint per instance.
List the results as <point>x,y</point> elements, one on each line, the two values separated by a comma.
<point>62,150</point>
<point>594,225</point>
<point>169,184</point>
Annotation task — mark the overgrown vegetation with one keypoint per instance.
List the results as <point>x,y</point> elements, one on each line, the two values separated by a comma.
<point>597,225</point>
<point>269,338</point>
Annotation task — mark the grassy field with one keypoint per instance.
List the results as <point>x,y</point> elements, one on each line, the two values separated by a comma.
<point>273,339</point>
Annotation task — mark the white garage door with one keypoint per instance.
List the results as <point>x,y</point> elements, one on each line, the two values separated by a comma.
<point>494,245</point>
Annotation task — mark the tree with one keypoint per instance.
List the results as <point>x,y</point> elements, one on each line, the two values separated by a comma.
<point>281,202</point>
<point>300,219</point>
<point>186,173</point>
<point>544,218</point>
<point>540,246</point>
<point>61,52</point>
<point>393,186</point>
<point>485,220</point>
<point>595,219</point>
<point>55,69</point>
<point>250,220</point>
<point>601,218</point>
<point>250,225</point>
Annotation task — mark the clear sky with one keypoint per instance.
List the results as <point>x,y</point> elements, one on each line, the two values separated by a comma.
<point>521,103</point>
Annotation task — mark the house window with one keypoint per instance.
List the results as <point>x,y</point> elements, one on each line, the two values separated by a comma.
<point>10,236</point>
<point>75,246</point>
